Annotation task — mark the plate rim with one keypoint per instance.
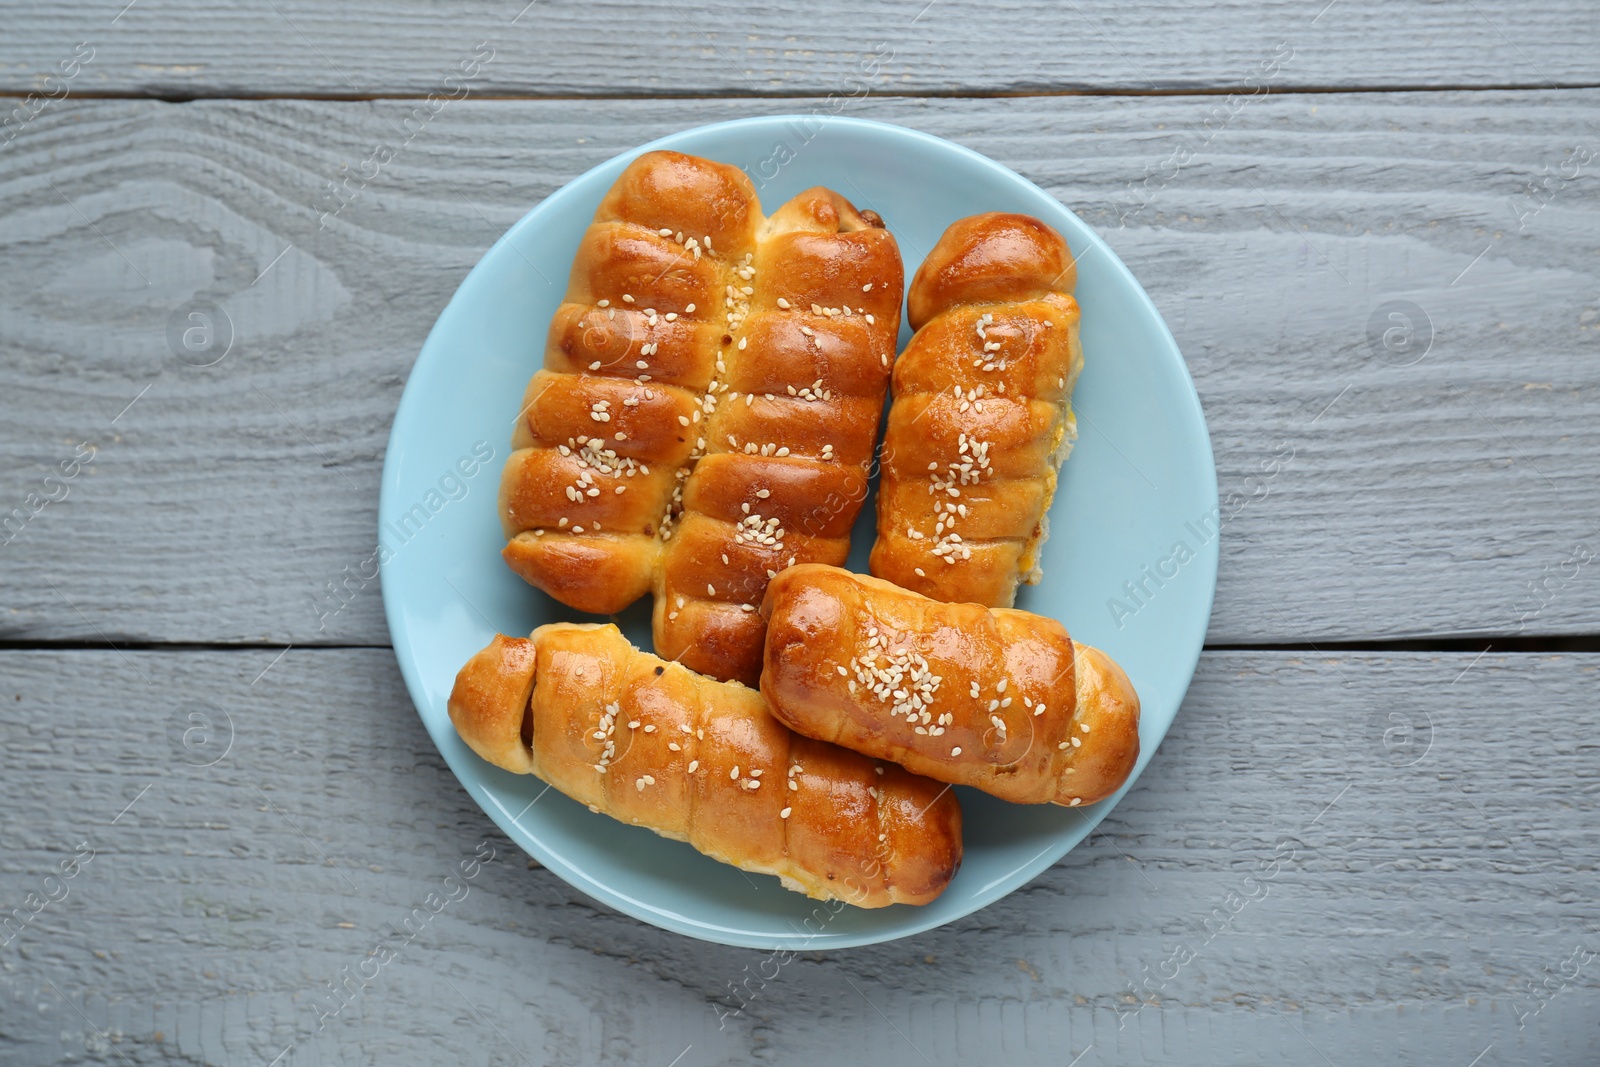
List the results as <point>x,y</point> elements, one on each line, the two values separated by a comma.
<point>472,779</point>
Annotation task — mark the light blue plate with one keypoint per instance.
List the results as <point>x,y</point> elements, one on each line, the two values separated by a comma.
<point>1139,483</point>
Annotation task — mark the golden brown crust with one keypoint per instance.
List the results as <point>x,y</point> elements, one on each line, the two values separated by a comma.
<point>994,698</point>
<point>653,744</point>
<point>981,417</point>
<point>992,258</point>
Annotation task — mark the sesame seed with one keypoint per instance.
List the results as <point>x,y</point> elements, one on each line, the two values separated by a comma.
<point>694,765</point>
<point>734,773</point>
<point>674,746</point>
<point>711,590</point>
<point>1084,727</point>
<point>784,814</point>
<point>867,288</point>
<point>650,729</point>
<point>1001,688</point>
<point>626,299</point>
<point>595,365</point>
<point>689,310</point>
<point>1075,802</point>
<point>634,725</point>
<point>956,751</point>
<point>783,303</point>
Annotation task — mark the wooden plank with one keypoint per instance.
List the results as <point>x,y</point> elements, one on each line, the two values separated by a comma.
<point>1388,861</point>
<point>188,48</point>
<point>1453,496</point>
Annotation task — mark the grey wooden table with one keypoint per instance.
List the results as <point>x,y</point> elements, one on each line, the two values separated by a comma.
<point>1372,834</point>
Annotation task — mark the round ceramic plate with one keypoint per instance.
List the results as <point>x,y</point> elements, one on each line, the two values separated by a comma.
<point>1130,565</point>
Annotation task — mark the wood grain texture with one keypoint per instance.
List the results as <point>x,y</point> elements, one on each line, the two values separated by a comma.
<point>1440,498</point>
<point>1424,880</point>
<point>297,47</point>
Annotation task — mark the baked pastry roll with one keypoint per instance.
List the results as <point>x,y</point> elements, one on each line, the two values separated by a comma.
<point>708,407</point>
<point>653,744</point>
<point>606,429</point>
<point>789,428</point>
<point>995,698</point>
<point>981,419</point>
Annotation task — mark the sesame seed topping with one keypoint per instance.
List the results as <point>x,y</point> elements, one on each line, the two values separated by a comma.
<point>784,814</point>
<point>694,765</point>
